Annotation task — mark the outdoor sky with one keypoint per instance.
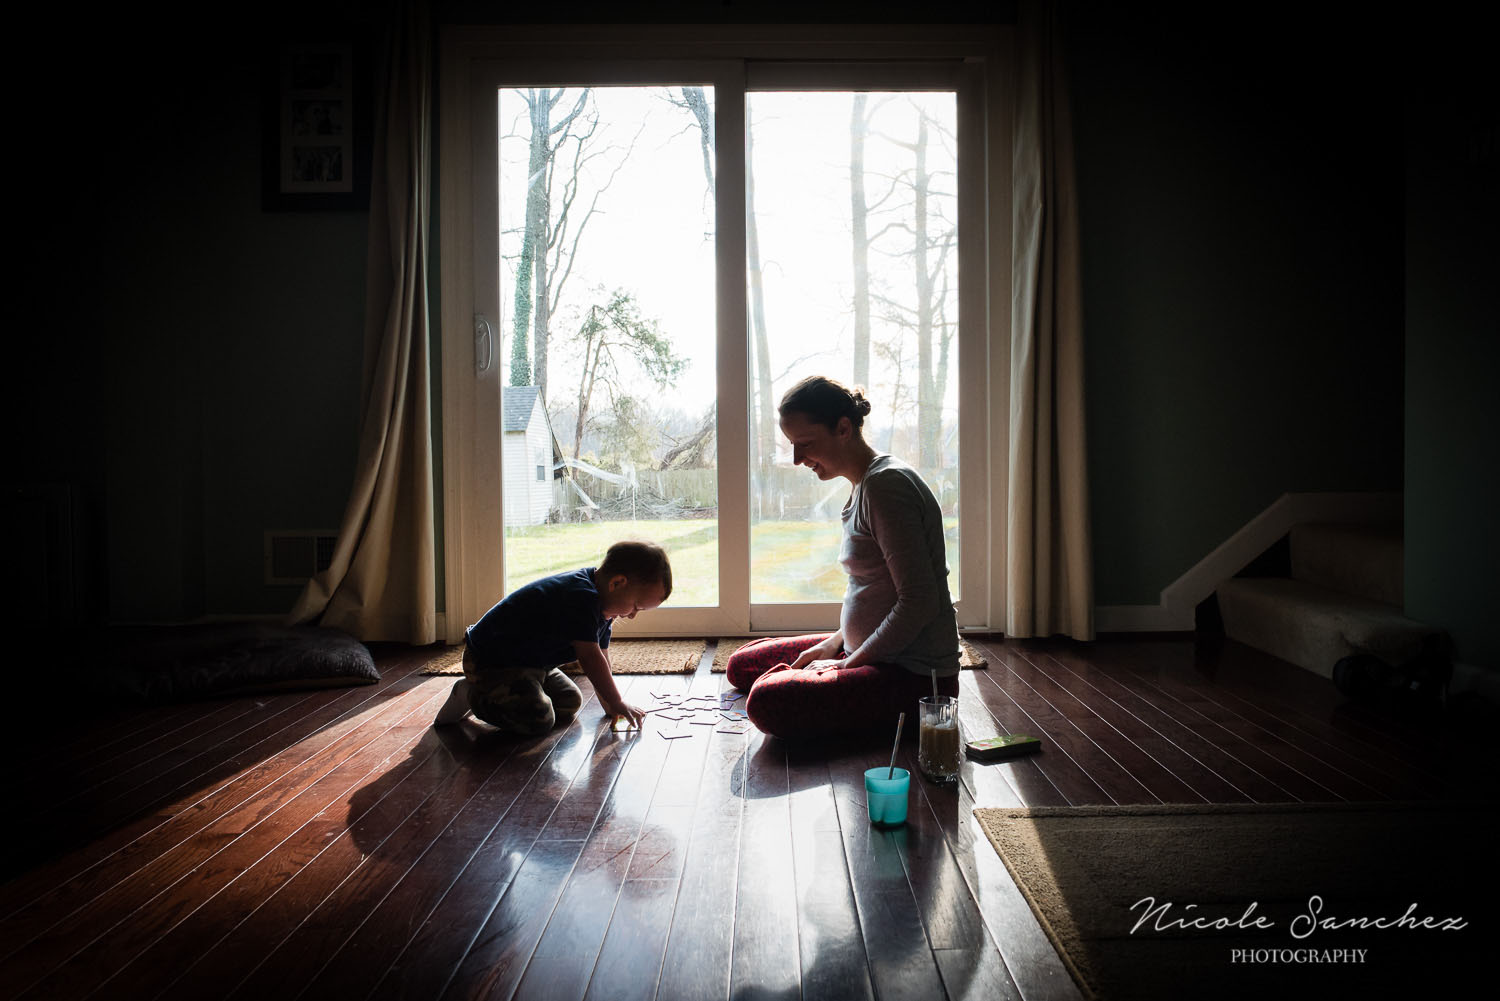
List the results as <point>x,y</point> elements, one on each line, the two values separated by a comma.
<point>652,232</point>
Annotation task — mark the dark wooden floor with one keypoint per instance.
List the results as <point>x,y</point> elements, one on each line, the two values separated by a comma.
<point>334,844</point>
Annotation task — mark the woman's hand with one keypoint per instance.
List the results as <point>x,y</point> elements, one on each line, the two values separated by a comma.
<point>823,666</point>
<point>829,649</point>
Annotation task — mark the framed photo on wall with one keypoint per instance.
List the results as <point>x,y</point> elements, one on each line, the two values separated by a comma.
<point>316,141</point>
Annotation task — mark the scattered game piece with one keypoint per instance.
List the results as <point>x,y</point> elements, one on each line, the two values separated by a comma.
<point>729,729</point>
<point>671,736</point>
<point>730,696</point>
<point>702,722</point>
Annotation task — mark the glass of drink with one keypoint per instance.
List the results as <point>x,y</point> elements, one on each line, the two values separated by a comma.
<point>938,754</point>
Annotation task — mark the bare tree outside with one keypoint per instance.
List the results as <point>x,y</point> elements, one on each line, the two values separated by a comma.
<point>886,319</point>
<point>762,402</point>
<point>763,440</point>
<point>932,237</point>
<point>695,102</point>
<point>607,270</point>
<point>531,271</point>
<point>859,242</point>
<point>555,220</point>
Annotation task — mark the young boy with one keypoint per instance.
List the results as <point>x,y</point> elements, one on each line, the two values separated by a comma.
<point>512,655</point>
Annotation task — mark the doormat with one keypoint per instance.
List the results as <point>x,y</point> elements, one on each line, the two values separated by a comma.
<point>652,656</point>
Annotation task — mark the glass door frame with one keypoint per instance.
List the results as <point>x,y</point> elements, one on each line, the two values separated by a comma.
<point>477,62</point>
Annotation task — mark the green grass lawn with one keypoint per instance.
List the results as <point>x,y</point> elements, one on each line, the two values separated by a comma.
<point>791,561</point>
<point>691,543</point>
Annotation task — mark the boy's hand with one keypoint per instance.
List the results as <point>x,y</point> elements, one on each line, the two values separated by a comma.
<point>635,714</point>
<point>595,664</point>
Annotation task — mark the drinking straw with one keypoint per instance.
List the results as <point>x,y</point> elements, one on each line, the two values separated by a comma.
<point>934,686</point>
<point>891,771</point>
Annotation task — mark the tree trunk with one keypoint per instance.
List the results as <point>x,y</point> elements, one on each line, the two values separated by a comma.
<point>765,423</point>
<point>586,378</point>
<point>541,318</point>
<point>698,104</point>
<point>859,212</point>
<point>532,236</point>
<point>929,396</point>
<point>945,341</point>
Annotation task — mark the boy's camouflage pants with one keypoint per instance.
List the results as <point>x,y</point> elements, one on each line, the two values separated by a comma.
<point>523,700</point>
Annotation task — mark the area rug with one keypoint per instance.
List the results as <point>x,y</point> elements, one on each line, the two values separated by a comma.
<point>968,657</point>
<point>1260,901</point>
<point>654,656</point>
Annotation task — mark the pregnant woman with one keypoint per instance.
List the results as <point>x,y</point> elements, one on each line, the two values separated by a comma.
<point>897,626</point>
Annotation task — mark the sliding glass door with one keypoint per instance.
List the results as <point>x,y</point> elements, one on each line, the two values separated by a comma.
<point>660,251</point>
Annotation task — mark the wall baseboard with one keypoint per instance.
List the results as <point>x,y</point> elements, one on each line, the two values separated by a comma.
<point>1180,599</point>
<point>1139,619</point>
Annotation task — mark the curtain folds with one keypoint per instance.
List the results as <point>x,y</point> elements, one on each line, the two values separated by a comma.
<point>381,584</point>
<point>1049,566</point>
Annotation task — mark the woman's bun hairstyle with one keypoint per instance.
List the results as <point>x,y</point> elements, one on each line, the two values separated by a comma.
<point>825,400</point>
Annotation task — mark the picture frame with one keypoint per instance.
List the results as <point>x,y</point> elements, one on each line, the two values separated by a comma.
<point>316,127</point>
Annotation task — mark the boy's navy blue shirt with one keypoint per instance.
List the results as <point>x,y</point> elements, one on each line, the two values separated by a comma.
<point>537,624</point>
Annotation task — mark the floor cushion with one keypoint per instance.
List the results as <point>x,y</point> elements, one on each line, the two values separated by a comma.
<point>173,663</point>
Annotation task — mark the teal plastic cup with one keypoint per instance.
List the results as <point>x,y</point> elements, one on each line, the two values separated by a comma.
<point>887,796</point>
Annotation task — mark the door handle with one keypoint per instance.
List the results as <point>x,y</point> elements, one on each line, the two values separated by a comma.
<point>484,345</point>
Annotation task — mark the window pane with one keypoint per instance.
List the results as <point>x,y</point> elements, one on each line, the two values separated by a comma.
<point>853,274</point>
<point>607,285</point>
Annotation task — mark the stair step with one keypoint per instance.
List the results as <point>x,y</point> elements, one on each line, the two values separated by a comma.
<point>1364,560</point>
<point>1313,626</point>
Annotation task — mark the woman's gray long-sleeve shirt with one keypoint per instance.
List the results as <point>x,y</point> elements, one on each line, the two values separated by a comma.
<point>897,599</point>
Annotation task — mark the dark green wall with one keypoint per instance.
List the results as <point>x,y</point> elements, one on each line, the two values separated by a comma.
<point>1453,354</point>
<point>1240,206</point>
<point>218,346</point>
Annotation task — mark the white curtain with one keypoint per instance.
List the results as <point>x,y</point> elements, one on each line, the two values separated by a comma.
<point>381,584</point>
<point>1049,571</point>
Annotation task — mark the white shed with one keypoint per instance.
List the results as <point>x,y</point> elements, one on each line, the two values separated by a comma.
<point>530,454</point>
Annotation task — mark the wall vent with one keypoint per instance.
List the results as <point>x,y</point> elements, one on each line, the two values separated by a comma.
<point>294,555</point>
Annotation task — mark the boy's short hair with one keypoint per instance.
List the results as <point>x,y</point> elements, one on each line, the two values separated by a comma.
<point>638,561</point>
